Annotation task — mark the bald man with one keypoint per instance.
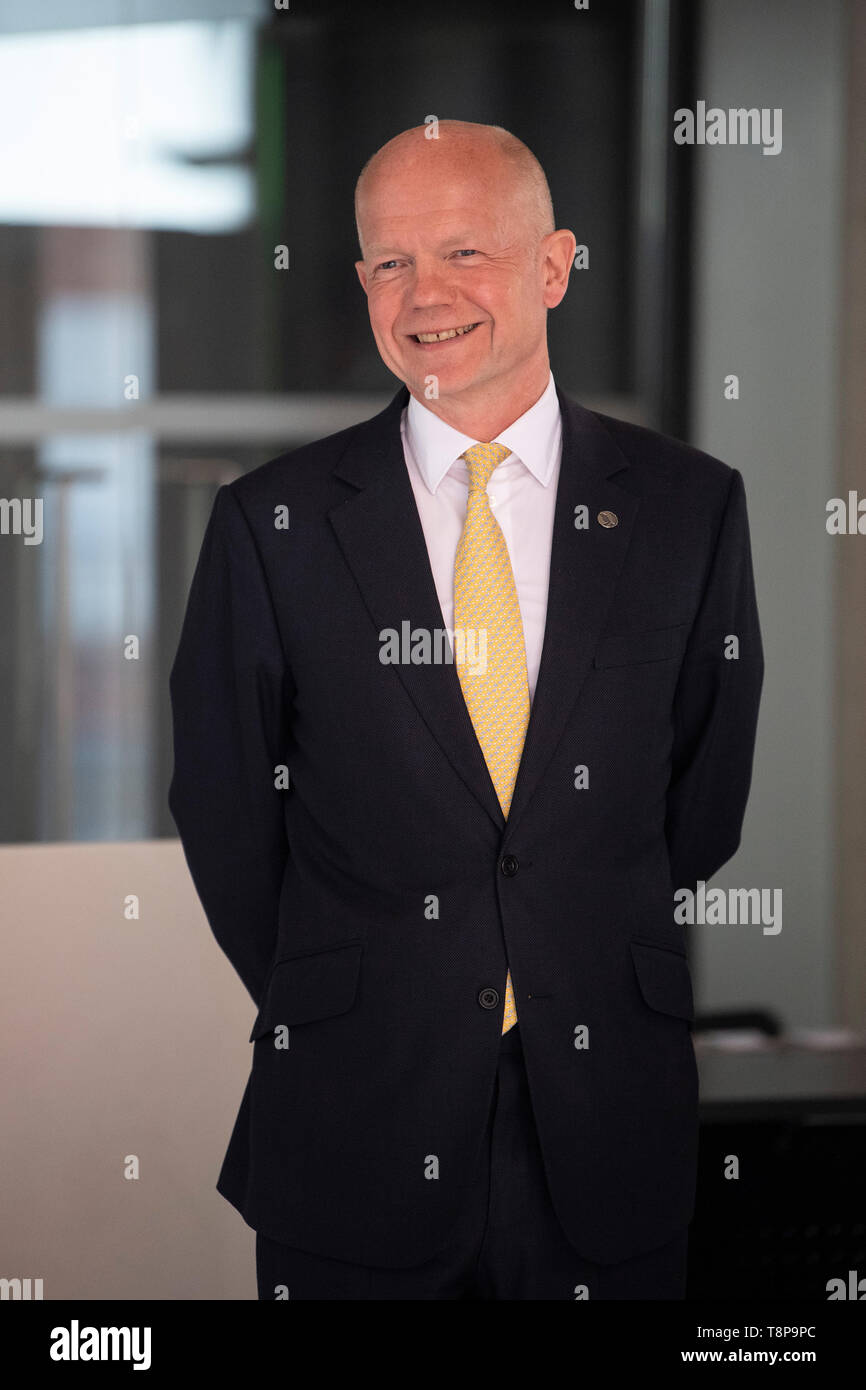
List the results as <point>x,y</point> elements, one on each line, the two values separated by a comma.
<point>463,695</point>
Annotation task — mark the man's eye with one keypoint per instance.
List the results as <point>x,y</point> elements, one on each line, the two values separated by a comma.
<point>466,253</point>
<point>386,265</point>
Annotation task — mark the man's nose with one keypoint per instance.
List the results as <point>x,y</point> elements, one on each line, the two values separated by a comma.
<point>431,285</point>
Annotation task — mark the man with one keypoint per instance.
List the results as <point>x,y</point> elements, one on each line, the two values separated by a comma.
<point>445,746</point>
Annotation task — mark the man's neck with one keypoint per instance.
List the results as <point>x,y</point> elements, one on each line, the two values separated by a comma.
<point>493,409</point>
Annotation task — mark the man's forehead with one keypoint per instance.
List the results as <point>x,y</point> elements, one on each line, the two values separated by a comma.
<point>426,164</point>
<point>390,231</point>
<point>431,224</point>
<point>432,185</point>
<point>430,197</point>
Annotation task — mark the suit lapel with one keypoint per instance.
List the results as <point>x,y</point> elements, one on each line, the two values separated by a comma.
<point>584,566</point>
<point>380,534</point>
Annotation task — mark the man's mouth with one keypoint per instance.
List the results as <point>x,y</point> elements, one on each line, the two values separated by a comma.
<point>443,334</point>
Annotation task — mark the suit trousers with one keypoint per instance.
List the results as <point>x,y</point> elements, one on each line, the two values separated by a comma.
<point>508,1243</point>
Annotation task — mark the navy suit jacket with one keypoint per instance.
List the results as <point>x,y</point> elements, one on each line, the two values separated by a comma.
<point>372,905</point>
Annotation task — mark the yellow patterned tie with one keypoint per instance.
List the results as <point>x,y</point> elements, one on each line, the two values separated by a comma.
<point>496,689</point>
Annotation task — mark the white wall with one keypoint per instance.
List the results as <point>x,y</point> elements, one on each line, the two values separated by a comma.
<point>117,1037</point>
<point>766,261</point>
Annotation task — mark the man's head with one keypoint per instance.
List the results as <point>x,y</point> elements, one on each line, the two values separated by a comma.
<point>454,232</point>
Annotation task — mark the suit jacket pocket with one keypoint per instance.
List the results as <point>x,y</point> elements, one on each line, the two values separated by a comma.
<point>640,648</point>
<point>308,987</point>
<point>664,978</point>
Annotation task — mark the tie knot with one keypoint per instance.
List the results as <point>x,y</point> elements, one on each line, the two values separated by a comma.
<point>481,460</point>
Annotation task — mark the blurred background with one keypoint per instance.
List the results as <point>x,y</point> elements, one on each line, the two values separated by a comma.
<point>155,157</point>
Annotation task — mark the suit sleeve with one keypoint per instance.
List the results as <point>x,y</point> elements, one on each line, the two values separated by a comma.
<point>229,687</point>
<point>716,709</point>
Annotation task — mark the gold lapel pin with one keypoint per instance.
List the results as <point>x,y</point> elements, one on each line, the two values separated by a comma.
<point>608,519</point>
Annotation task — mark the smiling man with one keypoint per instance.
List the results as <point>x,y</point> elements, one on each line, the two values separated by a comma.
<point>473,1074</point>
<point>461,264</point>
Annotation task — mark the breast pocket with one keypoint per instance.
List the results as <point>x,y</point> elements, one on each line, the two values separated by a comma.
<point>309,987</point>
<point>641,648</point>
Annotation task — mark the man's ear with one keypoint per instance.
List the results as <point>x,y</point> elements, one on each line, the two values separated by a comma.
<point>559,248</point>
<point>362,275</point>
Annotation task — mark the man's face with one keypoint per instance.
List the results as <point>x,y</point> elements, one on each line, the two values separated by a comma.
<point>447,250</point>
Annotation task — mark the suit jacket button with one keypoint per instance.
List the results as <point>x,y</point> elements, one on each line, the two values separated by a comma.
<point>488,998</point>
<point>509,865</point>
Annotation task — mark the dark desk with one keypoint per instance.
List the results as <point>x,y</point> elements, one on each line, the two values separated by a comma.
<point>792,1121</point>
<point>781,1081</point>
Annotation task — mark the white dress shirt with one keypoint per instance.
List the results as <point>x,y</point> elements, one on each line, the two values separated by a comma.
<point>522,492</point>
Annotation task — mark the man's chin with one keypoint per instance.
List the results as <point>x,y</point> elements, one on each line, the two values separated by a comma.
<point>434,384</point>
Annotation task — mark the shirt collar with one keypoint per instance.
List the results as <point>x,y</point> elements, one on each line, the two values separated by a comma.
<point>534,438</point>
